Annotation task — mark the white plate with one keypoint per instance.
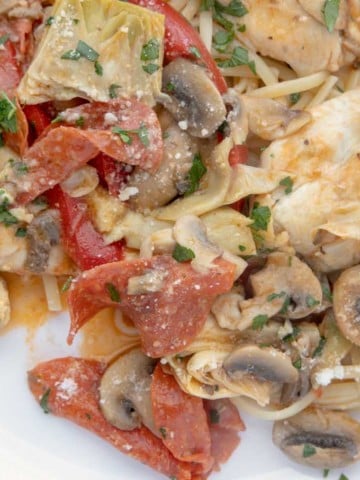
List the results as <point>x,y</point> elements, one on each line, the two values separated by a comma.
<point>35,446</point>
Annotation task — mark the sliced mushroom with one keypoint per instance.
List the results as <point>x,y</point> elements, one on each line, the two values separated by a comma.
<point>270,120</point>
<point>319,438</point>
<point>42,234</point>
<point>125,392</point>
<point>160,188</point>
<point>287,278</point>
<point>267,364</point>
<point>192,98</point>
<point>346,299</point>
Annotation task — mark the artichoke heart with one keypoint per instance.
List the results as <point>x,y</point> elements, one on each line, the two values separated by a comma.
<point>97,50</point>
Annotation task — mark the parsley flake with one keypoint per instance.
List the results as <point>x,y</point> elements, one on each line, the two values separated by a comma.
<point>222,39</point>
<point>327,293</point>
<point>311,301</point>
<point>170,87</point>
<point>86,51</point>
<point>260,214</point>
<point>343,477</point>
<point>8,122</point>
<point>80,122</point>
<point>214,416</point>
<point>308,450</point>
<point>239,56</point>
<point>71,55</point>
<point>50,21</point>
<point>235,8</point>
<point>98,68</point>
<point>297,364</point>
<point>326,472</point>
<point>272,296</point>
<point>330,12</point>
<point>44,401</point>
<point>113,292</point>
<point>123,134</point>
<point>196,172</point>
<point>4,39</point>
<point>162,431</point>
<point>319,349</point>
<point>194,51</point>
<point>6,217</point>
<point>21,232</point>
<point>150,68</point>
<point>113,90</point>
<point>67,284</point>
<point>294,97</point>
<point>242,248</point>
<point>288,183</point>
<point>259,322</point>
<point>143,134</point>
<point>150,51</point>
<point>291,337</point>
<point>182,254</point>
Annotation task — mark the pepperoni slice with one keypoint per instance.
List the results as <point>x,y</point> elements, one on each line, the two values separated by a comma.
<point>181,420</point>
<point>69,387</point>
<point>225,425</point>
<point>62,148</point>
<point>168,313</point>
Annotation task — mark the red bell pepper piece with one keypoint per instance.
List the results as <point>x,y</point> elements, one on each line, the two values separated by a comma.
<point>38,120</point>
<point>84,245</point>
<point>181,38</point>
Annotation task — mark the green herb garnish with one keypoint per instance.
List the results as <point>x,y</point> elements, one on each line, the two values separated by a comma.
<point>162,431</point>
<point>21,232</point>
<point>260,214</point>
<point>80,122</point>
<point>319,349</point>
<point>272,296</point>
<point>182,254</point>
<point>194,51</point>
<point>297,363</point>
<point>311,301</point>
<point>98,68</point>
<point>4,39</point>
<point>86,51</point>
<point>113,292</point>
<point>8,122</point>
<point>235,8</point>
<point>288,183</point>
<point>67,284</point>
<point>330,12</point>
<point>327,293</point>
<point>50,21</point>
<point>150,51</point>
<point>294,97</point>
<point>196,172</point>
<point>222,39</point>
<point>308,450</point>
<point>214,416</point>
<point>150,68</point>
<point>242,248</point>
<point>239,56</point>
<point>259,322</point>
<point>326,472</point>
<point>291,337</point>
<point>113,90</point>
<point>71,55</point>
<point>44,401</point>
<point>6,217</point>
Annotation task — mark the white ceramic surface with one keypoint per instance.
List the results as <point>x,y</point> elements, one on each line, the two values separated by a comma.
<point>35,446</point>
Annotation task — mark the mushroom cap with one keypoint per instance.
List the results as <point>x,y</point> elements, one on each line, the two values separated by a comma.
<point>193,97</point>
<point>331,438</point>
<point>346,302</point>
<point>125,391</point>
<point>267,364</point>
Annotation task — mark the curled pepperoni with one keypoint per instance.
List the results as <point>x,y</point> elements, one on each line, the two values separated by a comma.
<point>69,387</point>
<point>181,420</point>
<point>169,315</point>
<point>63,148</point>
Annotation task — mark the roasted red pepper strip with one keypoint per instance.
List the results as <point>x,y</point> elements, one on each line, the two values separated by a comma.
<point>181,420</point>
<point>170,316</point>
<point>181,39</point>
<point>38,120</point>
<point>69,387</point>
<point>84,245</point>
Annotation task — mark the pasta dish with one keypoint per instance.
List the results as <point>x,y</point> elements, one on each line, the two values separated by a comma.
<point>192,166</point>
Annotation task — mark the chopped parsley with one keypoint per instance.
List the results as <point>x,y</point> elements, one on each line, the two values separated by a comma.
<point>196,172</point>
<point>291,337</point>
<point>44,401</point>
<point>80,122</point>
<point>259,322</point>
<point>242,28</point>
<point>6,217</point>
<point>311,301</point>
<point>294,97</point>
<point>297,364</point>
<point>113,90</point>
<point>327,293</point>
<point>330,12</point>
<point>71,55</point>
<point>272,296</point>
<point>326,472</point>
<point>67,284</point>
<point>222,39</point>
<point>239,56</point>
<point>308,450</point>
<point>242,248</point>
<point>182,254</point>
<point>20,168</point>
<point>194,51</point>
<point>50,21</point>
<point>142,132</point>
<point>150,68</point>
<point>285,306</point>
<point>288,183</point>
<point>4,39</point>
<point>162,431</point>
<point>98,68</point>
<point>169,87</point>
<point>260,214</point>
<point>343,477</point>
<point>319,349</point>
<point>150,51</point>
<point>8,122</point>
<point>113,292</point>
<point>235,8</point>
<point>214,416</point>
<point>86,51</point>
<point>21,232</point>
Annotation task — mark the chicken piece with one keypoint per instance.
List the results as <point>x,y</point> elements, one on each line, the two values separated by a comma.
<point>290,31</point>
<point>322,212</point>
